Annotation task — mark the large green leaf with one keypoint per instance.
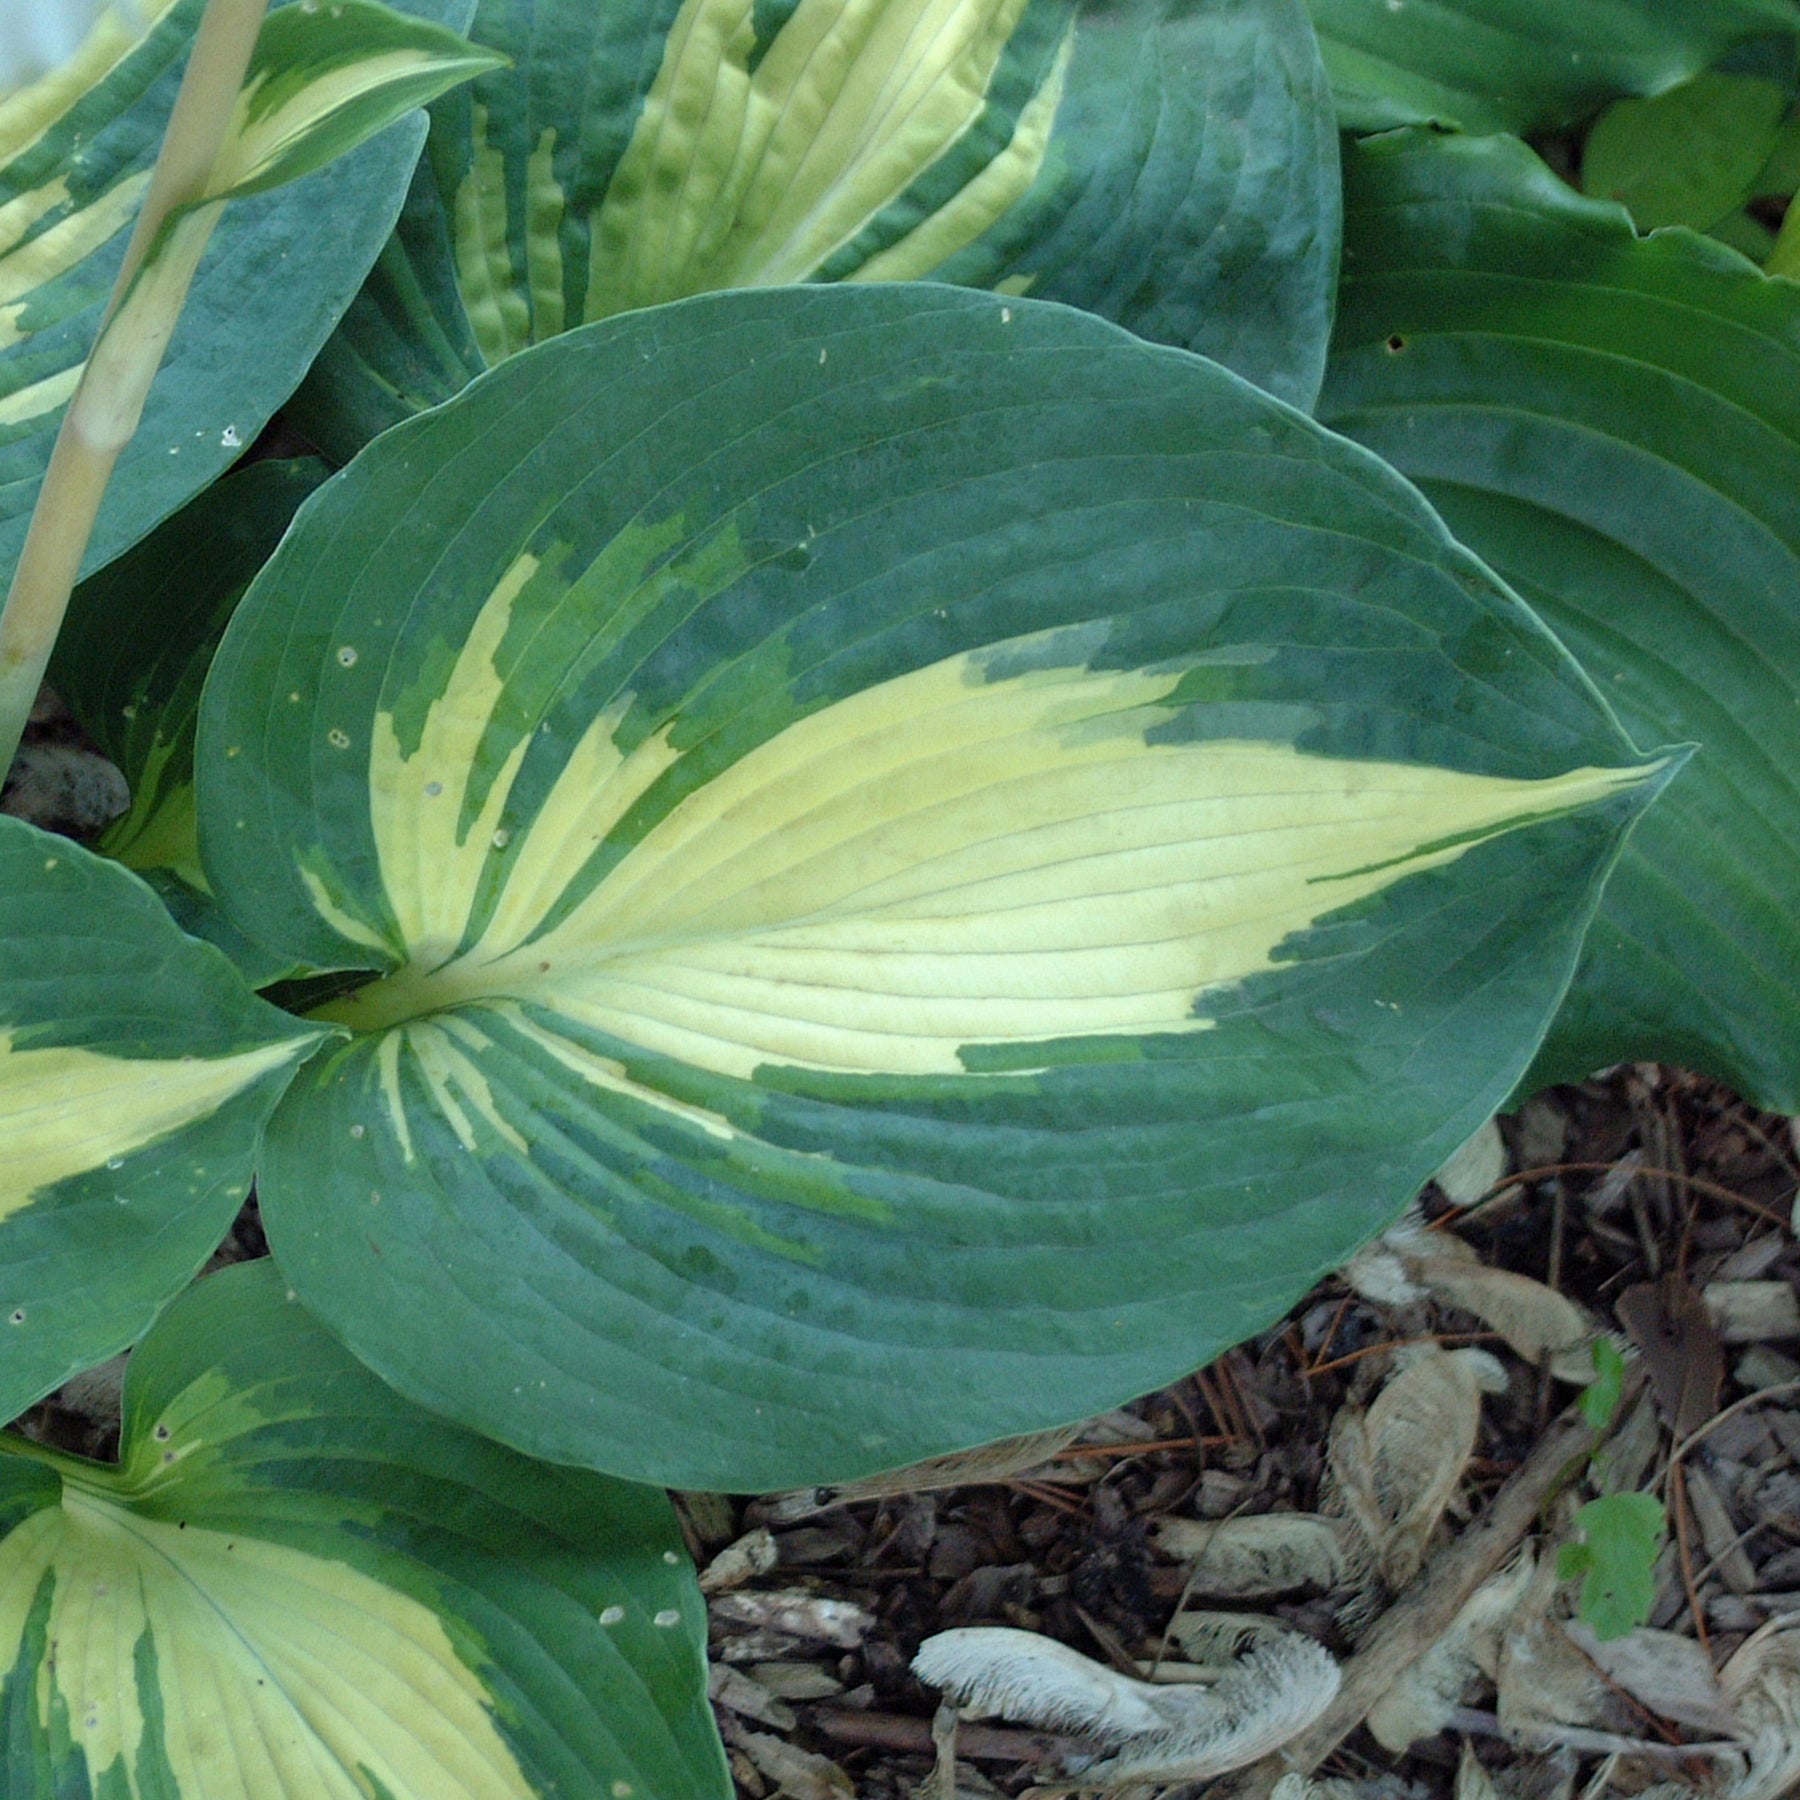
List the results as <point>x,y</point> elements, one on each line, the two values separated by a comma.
<point>1687,157</point>
<point>75,155</point>
<point>1521,65</point>
<point>294,1586</point>
<point>136,1071</point>
<point>1168,163</point>
<point>1614,423</point>
<point>933,865</point>
<point>130,661</point>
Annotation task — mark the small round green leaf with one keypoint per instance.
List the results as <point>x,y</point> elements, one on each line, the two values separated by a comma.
<point>136,1071</point>
<point>1614,424</point>
<point>1168,165</point>
<point>295,1585</point>
<point>932,865</point>
<point>1521,65</point>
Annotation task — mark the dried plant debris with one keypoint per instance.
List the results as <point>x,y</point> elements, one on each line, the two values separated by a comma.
<point>1753,1312</point>
<point>1668,1675</point>
<point>1329,1479</point>
<point>1394,1469</point>
<point>795,1613</point>
<point>1426,1697</point>
<point>1392,1473</point>
<point>1154,1733</point>
<point>1761,1685</point>
<point>739,1562</point>
<point>1670,1324</point>
<point>1473,1171</point>
<point>1260,1555</point>
<point>1411,1262</point>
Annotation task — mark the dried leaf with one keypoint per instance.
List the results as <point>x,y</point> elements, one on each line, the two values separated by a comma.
<point>1670,1676</point>
<point>1473,1782</point>
<point>1394,1469</point>
<point>1250,1558</point>
<point>967,1468</point>
<point>1410,1261</point>
<point>799,1773</point>
<point>1160,1734</point>
<point>1279,1688</point>
<point>994,1670</point>
<point>753,1554</point>
<point>1536,1321</point>
<point>738,1693</point>
<point>796,1613</point>
<point>1543,1680</point>
<point>1753,1312</point>
<point>1420,1704</point>
<point>1669,1323</point>
<point>1761,1684</point>
<point>1473,1170</point>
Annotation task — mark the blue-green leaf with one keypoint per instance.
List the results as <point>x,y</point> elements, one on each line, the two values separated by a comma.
<point>928,865</point>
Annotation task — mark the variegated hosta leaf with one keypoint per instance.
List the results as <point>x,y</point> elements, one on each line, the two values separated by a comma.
<point>294,1586</point>
<point>1519,65</point>
<point>1614,423</point>
<point>321,81</point>
<point>933,864</point>
<point>136,1071</point>
<point>1167,164</point>
<point>75,154</point>
<point>132,655</point>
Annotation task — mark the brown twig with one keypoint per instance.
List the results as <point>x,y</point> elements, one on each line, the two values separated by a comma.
<point>1697,1183</point>
<point>1684,1549</point>
<point>1439,1338</point>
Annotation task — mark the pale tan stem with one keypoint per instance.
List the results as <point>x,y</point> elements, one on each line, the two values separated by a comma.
<point>109,400</point>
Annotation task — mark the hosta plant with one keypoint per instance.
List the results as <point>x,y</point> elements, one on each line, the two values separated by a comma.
<point>830,842</point>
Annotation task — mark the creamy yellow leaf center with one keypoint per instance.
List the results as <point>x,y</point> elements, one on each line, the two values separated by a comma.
<point>279,1674</point>
<point>65,1110</point>
<point>958,857</point>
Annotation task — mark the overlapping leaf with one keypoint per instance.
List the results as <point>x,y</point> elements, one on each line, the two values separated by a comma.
<point>1521,65</point>
<point>1167,164</point>
<point>930,865</point>
<point>1614,424</point>
<point>75,154</point>
<point>294,1584</point>
<point>131,659</point>
<point>136,1070</point>
<point>1690,156</point>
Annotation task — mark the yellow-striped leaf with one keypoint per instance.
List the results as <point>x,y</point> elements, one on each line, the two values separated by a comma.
<point>295,1587</point>
<point>321,81</point>
<point>136,1071</point>
<point>76,148</point>
<point>1169,165</point>
<point>926,865</point>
